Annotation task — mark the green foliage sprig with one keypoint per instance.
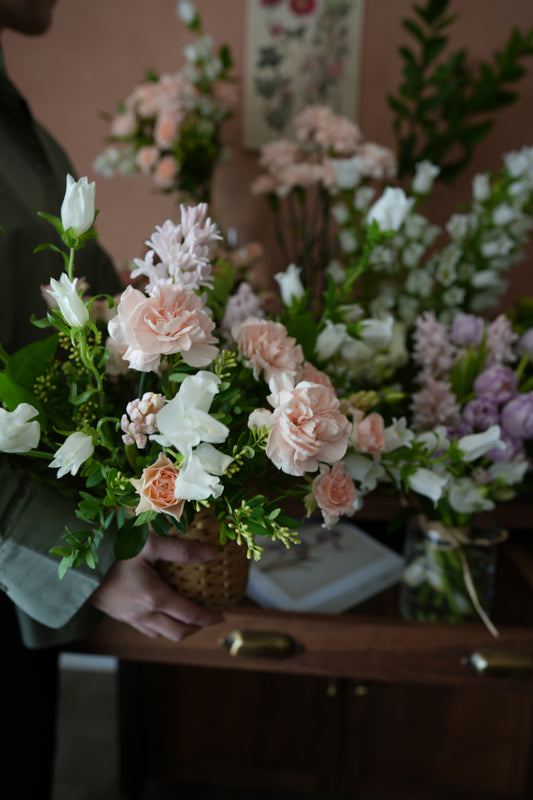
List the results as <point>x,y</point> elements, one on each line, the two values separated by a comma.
<point>445,106</point>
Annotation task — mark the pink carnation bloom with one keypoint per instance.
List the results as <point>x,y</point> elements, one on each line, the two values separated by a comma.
<point>123,124</point>
<point>156,488</point>
<point>308,372</point>
<point>307,428</point>
<point>166,128</point>
<point>170,321</point>
<point>165,172</point>
<point>368,434</point>
<point>146,158</point>
<point>335,493</point>
<point>267,347</point>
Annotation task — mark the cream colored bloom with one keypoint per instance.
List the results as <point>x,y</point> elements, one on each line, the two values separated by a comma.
<point>66,294</point>
<point>77,210</point>
<point>18,434</point>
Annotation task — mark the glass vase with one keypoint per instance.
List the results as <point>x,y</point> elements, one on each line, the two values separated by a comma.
<point>449,577</point>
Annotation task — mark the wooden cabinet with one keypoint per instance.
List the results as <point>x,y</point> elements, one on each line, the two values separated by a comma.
<point>372,707</point>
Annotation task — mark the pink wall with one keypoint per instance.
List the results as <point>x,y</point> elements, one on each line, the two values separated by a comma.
<point>97,50</point>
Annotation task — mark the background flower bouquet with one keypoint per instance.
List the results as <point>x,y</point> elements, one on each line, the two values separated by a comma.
<point>169,127</point>
<point>162,412</point>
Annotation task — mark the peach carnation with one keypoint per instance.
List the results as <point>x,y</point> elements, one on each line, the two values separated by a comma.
<point>170,321</point>
<point>308,372</point>
<point>165,172</point>
<point>146,158</point>
<point>307,428</point>
<point>156,488</point>
<point>368,434</point>
<point>335,493</point>
<point>268,348</point>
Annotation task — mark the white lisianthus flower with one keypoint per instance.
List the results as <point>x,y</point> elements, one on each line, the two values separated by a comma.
<point>66,295</point>
<point>466,497</point>
<point>425,174</point>
<point>198,478</point>
<point>475,445</point>
<point>428,483</point>
<point>290,285</point>
<point>184,422</point>
<point>377,332</point>
<point>74,451</point>
<point>18,434</point>
<point>77,210</point>
<point>391,209</point>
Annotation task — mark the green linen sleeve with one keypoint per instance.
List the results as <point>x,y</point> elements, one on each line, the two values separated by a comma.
<point>32,520</point>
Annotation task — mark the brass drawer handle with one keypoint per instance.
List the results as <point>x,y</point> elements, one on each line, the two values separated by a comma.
<point>260,643</point>
<point>501,663</point>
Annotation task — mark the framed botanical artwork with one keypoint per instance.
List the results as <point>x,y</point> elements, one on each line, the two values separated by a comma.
<point>299,53</point>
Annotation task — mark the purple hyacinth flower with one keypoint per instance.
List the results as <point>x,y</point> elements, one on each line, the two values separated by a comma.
<point>497,382</point>
<point>517,416</point>
<point>467,329</point>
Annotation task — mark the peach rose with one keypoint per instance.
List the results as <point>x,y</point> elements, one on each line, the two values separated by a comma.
<point>146,158</point>
<point>369,434</point>
<point>335,493</point>
<point>170,321</point>
<point>165,172</point>
<point>165,130</point>
<point>156,488</point>
<point>267,347</point>
<point>306,429</point>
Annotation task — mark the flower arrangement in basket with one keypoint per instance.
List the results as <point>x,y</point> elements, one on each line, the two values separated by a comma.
<point>170,126</point>
<point>171,411</point>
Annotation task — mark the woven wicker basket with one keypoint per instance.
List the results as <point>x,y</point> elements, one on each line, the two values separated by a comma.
<point>216,584</point>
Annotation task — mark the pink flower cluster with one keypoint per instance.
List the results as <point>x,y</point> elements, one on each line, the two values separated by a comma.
<point>320,137</point>
<point>139,420</point>
<point>307,430</point>
<point>179,254</point>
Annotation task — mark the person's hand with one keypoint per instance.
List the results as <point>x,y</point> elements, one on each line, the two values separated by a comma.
<point>133,592</point>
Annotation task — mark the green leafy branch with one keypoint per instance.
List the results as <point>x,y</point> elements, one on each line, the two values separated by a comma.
<point>444,107</point>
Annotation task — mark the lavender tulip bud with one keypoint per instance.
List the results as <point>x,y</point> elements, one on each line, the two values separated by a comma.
<point>517,416</point>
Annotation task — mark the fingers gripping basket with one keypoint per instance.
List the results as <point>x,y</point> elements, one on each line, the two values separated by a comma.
<point>216,584</point>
